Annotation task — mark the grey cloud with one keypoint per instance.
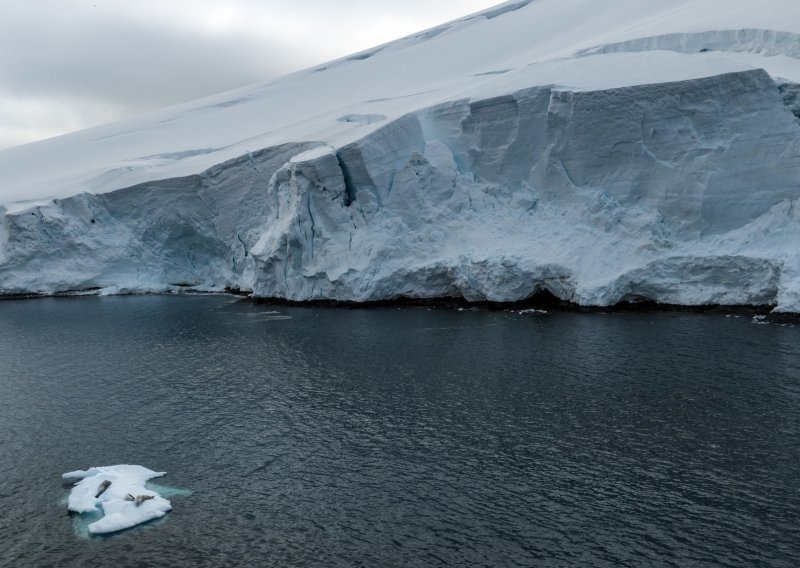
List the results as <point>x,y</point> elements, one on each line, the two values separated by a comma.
<point>70,64</point>
<point>121,60</point>
<point>24,119</point>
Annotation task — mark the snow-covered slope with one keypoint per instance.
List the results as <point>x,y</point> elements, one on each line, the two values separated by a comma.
<point>603,150</point>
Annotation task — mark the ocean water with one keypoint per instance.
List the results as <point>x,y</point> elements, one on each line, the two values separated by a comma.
<point>401,437</point>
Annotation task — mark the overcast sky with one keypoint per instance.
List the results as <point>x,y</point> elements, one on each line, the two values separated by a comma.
<point>71,64</point>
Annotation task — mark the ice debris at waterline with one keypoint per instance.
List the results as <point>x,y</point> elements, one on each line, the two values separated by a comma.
<point>120,492</point>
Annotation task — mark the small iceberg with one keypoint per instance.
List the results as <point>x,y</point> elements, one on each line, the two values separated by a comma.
<point>121,493</point>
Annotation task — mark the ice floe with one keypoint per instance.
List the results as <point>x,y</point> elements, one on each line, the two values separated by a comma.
<point>120,492</point>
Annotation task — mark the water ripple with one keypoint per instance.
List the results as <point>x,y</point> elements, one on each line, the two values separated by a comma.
<point>323,437</point>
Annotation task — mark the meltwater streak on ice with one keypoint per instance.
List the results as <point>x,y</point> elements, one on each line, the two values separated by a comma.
<point>404,437</point>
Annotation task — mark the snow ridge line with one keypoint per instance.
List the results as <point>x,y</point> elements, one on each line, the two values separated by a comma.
<point>763,42</point>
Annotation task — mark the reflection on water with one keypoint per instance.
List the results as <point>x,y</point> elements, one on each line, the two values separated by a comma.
<point>402,437</point>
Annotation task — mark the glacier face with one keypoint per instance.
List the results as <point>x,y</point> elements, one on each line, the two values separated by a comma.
<point>673,191</point>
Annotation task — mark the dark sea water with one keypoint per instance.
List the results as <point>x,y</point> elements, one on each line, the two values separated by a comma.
<point>413,437</point>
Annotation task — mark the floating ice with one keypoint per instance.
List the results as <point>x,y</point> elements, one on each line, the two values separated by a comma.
<point>119,499</point>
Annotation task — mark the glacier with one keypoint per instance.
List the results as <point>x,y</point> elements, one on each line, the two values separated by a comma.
<point>647,151</point>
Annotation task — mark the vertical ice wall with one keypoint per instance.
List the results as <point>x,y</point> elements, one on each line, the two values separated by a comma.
<point>657,192</point>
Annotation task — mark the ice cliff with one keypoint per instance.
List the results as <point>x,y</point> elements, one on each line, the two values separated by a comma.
<point>647,151</point>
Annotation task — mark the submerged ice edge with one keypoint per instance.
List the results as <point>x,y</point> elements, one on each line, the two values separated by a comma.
<point>120,493</point>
